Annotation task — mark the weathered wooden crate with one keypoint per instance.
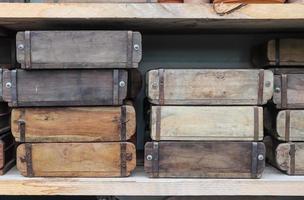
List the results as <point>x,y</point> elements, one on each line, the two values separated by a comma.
<point>109,159</point>
<point>73,124</point>
<point>234,123</point>
<point>78,49</point>
<point>288,157</point>
<point>209,87</point>
<point>7,152</point>
<point>205,159</point>
<point>289,91</point>
<point>280,52</point>
<point>64,87</point>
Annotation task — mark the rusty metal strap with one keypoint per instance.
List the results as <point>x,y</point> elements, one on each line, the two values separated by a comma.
<point>129,49</point>
<point>123,161</point>
<point>277,52</point>
<point>115,94</point>
<point>292,153</point>
<point>155,161</point>
<point>123,126</point>
<point>14,88</point>
<point>21,126</point>
<point>161,86</point>
<point>261,87</point>
<point>254,160</point>
<point>287,126</point>
<point>256,124</point>
<point>27,49</point>
<point>158,123</point>
<point>284,83</point>
<point>28,159</point>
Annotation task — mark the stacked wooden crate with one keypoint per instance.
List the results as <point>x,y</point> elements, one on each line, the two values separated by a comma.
<point>69,110</point>
<point>286,146</point>
<point>207,123</point>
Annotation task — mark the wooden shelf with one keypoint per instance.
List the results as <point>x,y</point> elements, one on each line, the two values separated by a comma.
<point>273,183</point>
<point>151,17</point>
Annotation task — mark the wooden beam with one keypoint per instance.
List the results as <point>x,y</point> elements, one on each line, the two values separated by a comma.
<point>273,183</point>
<point>264,17</point>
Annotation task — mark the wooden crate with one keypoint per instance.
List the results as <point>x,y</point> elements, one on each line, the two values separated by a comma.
<point>209,87</point>
<point>289,91</point>
<point>7,152</point>
<point>288,157</point>
<point>78,49</point>
<point>73,124</point>
<point>234,123</point>
<point>205,159</point>
<point>110,159</point>
<point>64,87</point>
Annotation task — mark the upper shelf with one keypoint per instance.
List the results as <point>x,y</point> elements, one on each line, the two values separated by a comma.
<point>151,17</point>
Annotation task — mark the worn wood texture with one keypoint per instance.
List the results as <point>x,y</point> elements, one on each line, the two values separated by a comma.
<point>209,87</point>
<point>73,124</point>
<point>78,49</point>
<point>281,52</point>
<point>289,91</point>
<point>242,123</point>
<point>75,159</point>
<point>99,1</point>
<point>288,157</point>
<point>290,125</point>
<point>5,113</point>
<point>205,159</point>
<point>248,1</point>
<point>7,152</point>
<point>64,87</point>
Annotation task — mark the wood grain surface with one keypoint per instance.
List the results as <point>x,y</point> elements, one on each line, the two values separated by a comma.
<point>73,124</point>
<point>65,87</point>
<point>202,159</point>
<point>75,159</point>
<point>78,49</point>
<point>296,125</point>
<point>209,87</point>
<point>234,123</point>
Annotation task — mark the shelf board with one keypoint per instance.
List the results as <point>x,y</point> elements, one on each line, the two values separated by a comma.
<point>151,17</point>
<point>273,183</point>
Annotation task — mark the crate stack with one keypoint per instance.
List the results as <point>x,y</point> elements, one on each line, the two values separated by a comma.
<point>207,123</point>
<point>286,121</point>
<point>68,99</point>
<point>7,142</point>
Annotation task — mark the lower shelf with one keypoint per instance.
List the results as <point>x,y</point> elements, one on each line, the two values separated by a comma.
<point>273,183</point>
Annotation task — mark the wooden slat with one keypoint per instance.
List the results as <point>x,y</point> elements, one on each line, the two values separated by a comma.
<point>75,159</point>
<point>182,17</point>
<point>209,87</point>
<point>204,159</point>
<point>206,123</point>
<point>73,124</point>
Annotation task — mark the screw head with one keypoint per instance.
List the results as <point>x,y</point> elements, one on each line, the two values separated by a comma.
<point>261,157</point>
<point>267,84</point>
<point>277,90</point>
<point>136,47</point>
<point>122,84</point>
<point>149,157</point>
<point>8,85</point>
<point>20,46</point>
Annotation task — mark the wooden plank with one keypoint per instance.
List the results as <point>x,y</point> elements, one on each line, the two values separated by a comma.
<point>78,49</point>
<point>185,123</point>
<point>173,17</point>
<point>75,159</point>
<point>205,159</point>
<point>73,124</point>
<point>288,91</point>
<point>290,122</point>
<point>209,87</point>
<point>64,87</point>
<point>99,1</point>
